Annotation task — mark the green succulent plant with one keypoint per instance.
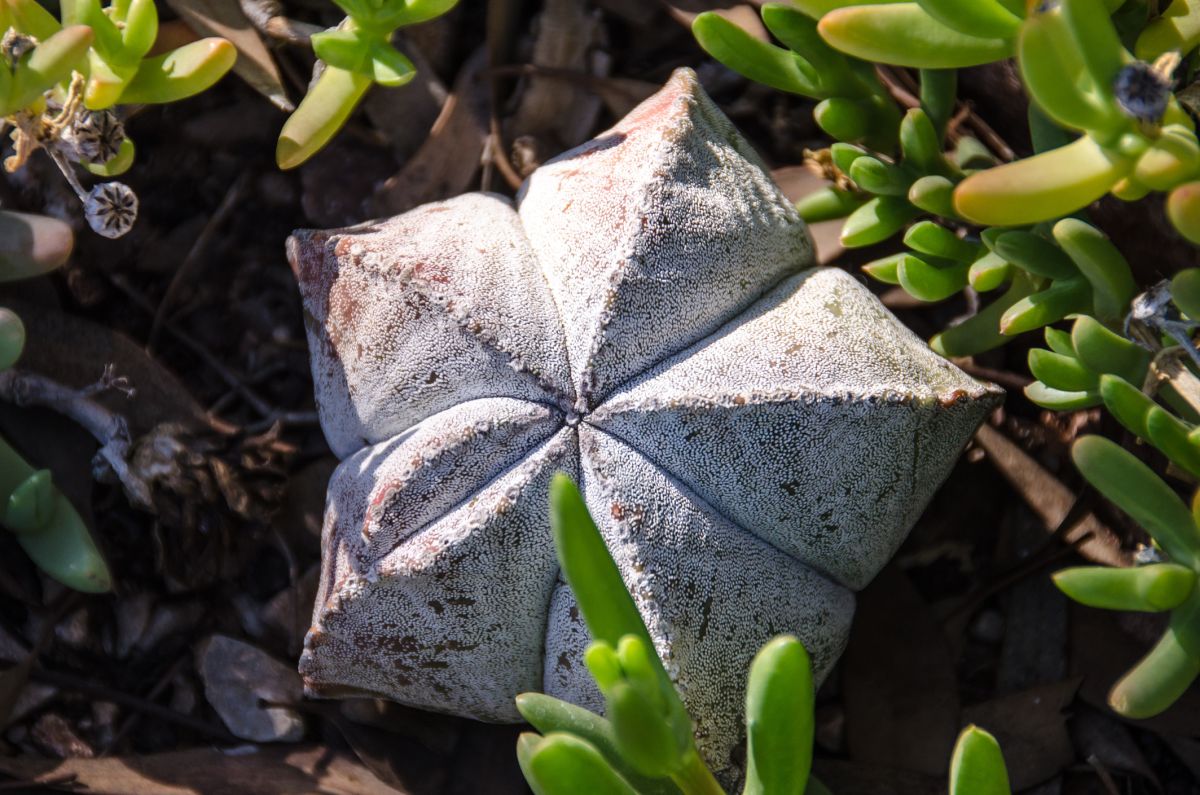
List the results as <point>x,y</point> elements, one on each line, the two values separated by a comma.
<point>58,81</point>
<point>356,54</point>
<point>44,522</point>
<point>1136,139</point>
<point>977,766</point>
<point>1102,122</point>
<point>855,106</point>
<point>119,68</point>
<point>644,744</point>
<point>927,34</point>
<point>41,518</point>
<point>1173,664</point>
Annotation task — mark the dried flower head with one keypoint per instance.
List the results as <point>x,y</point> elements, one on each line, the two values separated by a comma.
<point>14,45</point>
<point>94,136</point>
<point>1143,91</point>
<point>111,208</point>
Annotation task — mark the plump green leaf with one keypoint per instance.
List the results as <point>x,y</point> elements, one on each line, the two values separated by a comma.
<point>48,527</point>
<point>1146,589</point>
<point>877,220</point>
<point>1101,264</point>
<point>643,735</point>
<point>886,269</point>
<point>548,714</point>
<point>1173,158</point>
<point>779,719</point>
<point>904,34</point>
<point>1035,254</point>
<point>50,62</point>
<point>755,59</point>
<point>341,48</point>
<point>1185,292</point>
<point>1134,488</point>
<point>920,143</point>
<point>1171,436</point>
<point>880,178</point>
<point>935,240</point>
<point>1169,669</point>
<point>819,8</point>
<point>1177,28</point>
<point>981,331</point>
<point>1104,351</point>
<point>561,764</point>
<point>180,73</point>
<point>1059,341</point>
<point>401,13</point>
<point>989,272</point>
<point>977,767</point>
<point>1128,404</point>
<point>832,71</point>
<point>29,17</point>
<point>982,18</point>
<point>1063,297</point>
<point>1095,39</point>
<point>1042,187</point>
<point>140,27</point>
<point>389,66</point>
<point>607,608</point>
<point>1061,372</point>
<point>1061,400</point>
<point>933,194</point>
<point>827,204</point>
<point>843,155</point>
<point>31,245</point>
<point>1183,208</point>
<point>843,119</point>
<point>928,279</point>
<point>12,338</point>
<point>320,115</point>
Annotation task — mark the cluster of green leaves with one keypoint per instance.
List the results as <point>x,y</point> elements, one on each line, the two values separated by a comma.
<point>356,54</point>
<point>1102,121</point>
<point>1172,665</point>
<point>109,47</point>
<point>645,744</point>
<point>1091,366</point>
<point>1042,273</point>
<point>44,522</point>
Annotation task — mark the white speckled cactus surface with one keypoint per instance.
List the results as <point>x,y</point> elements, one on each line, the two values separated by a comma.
<point>754,436</point>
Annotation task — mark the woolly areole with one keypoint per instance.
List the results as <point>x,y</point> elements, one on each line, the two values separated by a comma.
<point>753,436</point>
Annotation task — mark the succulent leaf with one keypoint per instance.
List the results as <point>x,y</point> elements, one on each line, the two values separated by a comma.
<point>977,767</point>
<point>904,34</point>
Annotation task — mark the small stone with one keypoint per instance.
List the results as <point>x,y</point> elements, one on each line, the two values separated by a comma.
<point>239,679</point>
<point>54,735</point>
<point>988,627</point>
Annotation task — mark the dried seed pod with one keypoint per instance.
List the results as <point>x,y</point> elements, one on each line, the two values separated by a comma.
<point>1143,91</point>
<point>111,208</point>
<point>14,45</point>
<point>94,137</point>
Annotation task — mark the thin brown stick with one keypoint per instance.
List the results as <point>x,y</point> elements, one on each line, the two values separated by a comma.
<point>107,427</point>
<point>215,221</point>
<point>233,379</point>
<point>905,90</point>
<point>104,693</point>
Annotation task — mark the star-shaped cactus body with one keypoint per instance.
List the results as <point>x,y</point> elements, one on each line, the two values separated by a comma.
<point>754,436</point>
